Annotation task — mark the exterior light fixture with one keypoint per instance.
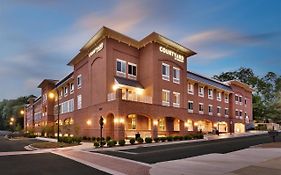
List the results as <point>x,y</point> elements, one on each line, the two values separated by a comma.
<point>139,91</point>
<point>116,120</point>
<point>115,87</point>
<point>155,122</point>
<point>12,119</point>
<point>195,124</point>
<point>22,112</point>
<point>121,120</point>
<point>89,122</point>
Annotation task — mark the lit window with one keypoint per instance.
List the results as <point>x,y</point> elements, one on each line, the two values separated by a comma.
<point>71,88</point>
<point>210,109</point>
<point>176,125</point>
<point>226,98</point>
<point>79,81</point>
<point>190,88</point>
<point>201,108</point>
<point>165,72</point>
<point>226,111</point>
<point>210,93</point>
<point>132,121</point>
<point>201,91</point>
<point>65,91</point>
<point>219,110</point>
<point>132,71</point>
<point>176,99</point>
<point>161,125</point>
<point>190,106</point>
<point>176,75</point>
<point>165,97</point>
<point>121,68</point>
<point>79,101</point>
<point>219,96</point>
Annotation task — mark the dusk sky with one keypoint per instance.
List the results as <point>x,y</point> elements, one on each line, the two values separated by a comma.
<point>39,37</point>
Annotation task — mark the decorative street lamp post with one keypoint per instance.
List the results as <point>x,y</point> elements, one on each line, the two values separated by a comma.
<point>101,126</point>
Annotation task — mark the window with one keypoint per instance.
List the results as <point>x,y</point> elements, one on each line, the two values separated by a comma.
<point>226,111</point>
<point>226,98</point>
<point>236,99</point>
<point>190,106</point>
<point>161,125</point>
<point>219,96</point>
<point>121,68</point>
<point>132,71</point>
<point>240,100</point>
<point>132,124</point>
<point>61,93</point>
<point>176,99</point>
<point>71,105</point>
<point>176,125</point>
<point>165,71</point>
<point>190,88</point>
<point>79,81</point>
<point>201,91</point>
<point>79,101</point>
<point>245,101</point>
<point>210,93</point>
<point>219,110</point>
<point>165,97</point>
<point>176,75</point>
<point>201,108</point>
<point>71,88</point>
<point>236,113</point>
<point>210,109</point>
<point>65,91</point>
<point>240,114</point>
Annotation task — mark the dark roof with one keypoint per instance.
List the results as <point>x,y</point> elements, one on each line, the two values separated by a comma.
<point>47,81</point>
<point>128,82</point>
<point>64,79</point>
<point>208,81</point>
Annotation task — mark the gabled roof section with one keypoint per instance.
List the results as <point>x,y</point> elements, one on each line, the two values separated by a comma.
<point>208,81</point>
<point>240,84</point>
<point>64,79</point>
<point>109,33</point>
<point>47,81</point>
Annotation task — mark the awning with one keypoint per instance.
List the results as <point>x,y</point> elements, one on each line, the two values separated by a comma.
<point>128,82</point>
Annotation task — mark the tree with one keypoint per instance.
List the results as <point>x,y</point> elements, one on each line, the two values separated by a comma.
<point>266,95</point>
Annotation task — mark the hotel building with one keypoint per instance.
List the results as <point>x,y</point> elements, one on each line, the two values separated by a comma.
<point>138,87</point>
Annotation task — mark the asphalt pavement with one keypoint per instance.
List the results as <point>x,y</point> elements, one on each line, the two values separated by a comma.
<point>7,145</point>
<point>184,150</point>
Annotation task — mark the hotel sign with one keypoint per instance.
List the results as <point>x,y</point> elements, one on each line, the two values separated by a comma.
<point>96,49</point>
<point>176,56</point>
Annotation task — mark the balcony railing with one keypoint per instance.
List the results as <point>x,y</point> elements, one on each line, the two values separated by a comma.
<point>131,97</point>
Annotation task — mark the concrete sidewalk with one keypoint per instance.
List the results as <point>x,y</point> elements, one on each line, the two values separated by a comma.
<point>243,162</point>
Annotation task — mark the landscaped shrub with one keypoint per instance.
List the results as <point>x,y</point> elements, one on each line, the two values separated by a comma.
<point>198,136</point>
<point>98,138</point>
<point>93,139</point>
<point>176,138</point>
<point>108,138</point>
<point>148,140</point>
<point>70,140</point>
<point>170,138</point>
<point>111,143</point>
<point>96,144</point>
<point>180,137</point>
<point>29,135</point>
<point>163,139</point>
<point>156,139</point>
<point>121,142</point>
<point>140,140</point>
<point>132,141</point>
<point>187,137</point>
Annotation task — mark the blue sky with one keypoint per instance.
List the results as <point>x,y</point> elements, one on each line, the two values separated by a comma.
<point>38,37</point>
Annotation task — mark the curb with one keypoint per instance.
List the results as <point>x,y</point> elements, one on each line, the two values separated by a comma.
<point>30,148</point>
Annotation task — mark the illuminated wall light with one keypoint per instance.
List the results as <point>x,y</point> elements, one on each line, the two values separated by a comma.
<point>116,120</point>
<point>104,121</point>
<point>195,124</point>
<point>121,120</point>
<point>215,125</point>
<point>115,87</point>
<point>155,122</point>
<point>89,122</point>
<point>71,135</point>
<point>60,135</point>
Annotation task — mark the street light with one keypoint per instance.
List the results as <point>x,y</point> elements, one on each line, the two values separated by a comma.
<point>101,126</point>
<point>52,96</point>
<point>22,112</point>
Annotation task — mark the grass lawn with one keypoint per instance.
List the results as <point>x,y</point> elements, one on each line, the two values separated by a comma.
<point>42,145</point>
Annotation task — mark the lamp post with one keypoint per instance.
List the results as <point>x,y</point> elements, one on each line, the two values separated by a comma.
<point>101,126</point>
<point>52,96</point>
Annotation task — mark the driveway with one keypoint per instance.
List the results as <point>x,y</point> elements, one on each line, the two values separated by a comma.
<point>7,145</point>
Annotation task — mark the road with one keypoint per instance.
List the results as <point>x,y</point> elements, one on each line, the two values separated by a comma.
<point>7,145</point>
<point>44,164</point>
<point>183,150</point>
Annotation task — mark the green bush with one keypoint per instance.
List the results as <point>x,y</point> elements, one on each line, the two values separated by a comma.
<point>163,139</point>
<point>148,140</point>
<point>180,137</point>
<point>197,136</point>
<point>98,139</point>
<point>96,144</point>
<point>93,139</point>
<point>108,138</point>
<point>121,142</point>
<point>111,143</point>
<point>187,137</point>
<point>170,138</point>
<point>156,139</point>
<point>29,135</point>
<point>140,140</point>
<point>132,141</point>
<point>176,138</point>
